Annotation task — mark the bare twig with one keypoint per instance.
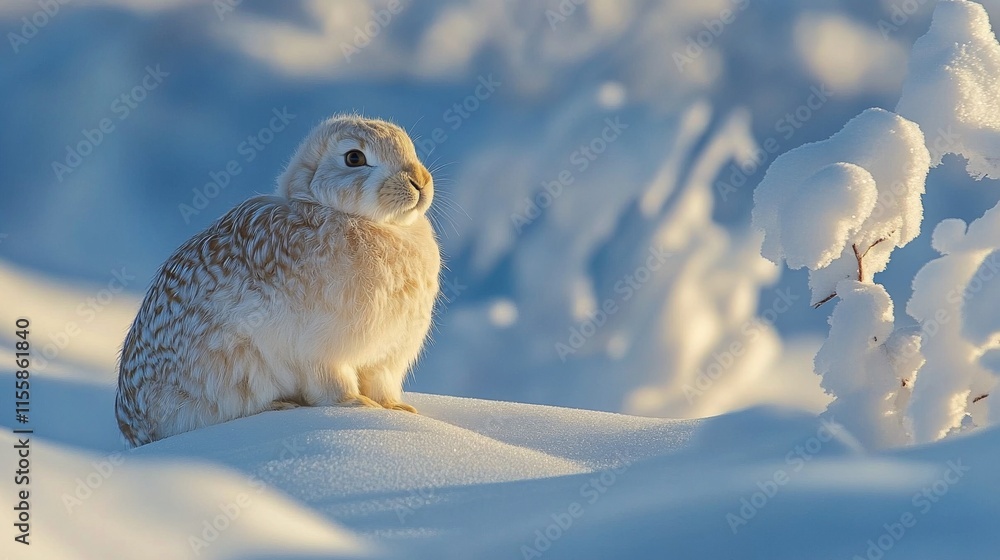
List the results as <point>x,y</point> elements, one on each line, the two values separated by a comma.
<point>880,239</point>
<point>861,266</point>
<point>824,300</point>
<point>859,256</point>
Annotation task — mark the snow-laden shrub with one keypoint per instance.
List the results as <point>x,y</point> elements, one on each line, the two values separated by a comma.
<point>839,207</point>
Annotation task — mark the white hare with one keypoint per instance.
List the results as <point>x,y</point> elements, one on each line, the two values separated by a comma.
<point>319,295</point>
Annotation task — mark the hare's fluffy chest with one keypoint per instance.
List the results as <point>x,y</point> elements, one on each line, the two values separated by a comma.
<point>368,296</point>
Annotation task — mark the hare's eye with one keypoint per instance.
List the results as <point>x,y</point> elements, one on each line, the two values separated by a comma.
<point>355,158</point>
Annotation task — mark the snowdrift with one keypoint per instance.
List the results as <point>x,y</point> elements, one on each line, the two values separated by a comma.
<point>480,479</point>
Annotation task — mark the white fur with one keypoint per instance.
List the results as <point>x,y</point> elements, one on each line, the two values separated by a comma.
<point>321,295</point>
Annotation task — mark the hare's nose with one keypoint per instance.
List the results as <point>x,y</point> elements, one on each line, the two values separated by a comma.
<point>418,176</point>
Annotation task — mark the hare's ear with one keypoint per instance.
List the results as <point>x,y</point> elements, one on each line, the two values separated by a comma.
<point>301,169</point>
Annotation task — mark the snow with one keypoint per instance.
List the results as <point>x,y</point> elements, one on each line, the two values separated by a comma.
<point>828,210</point>
<point>799,189</point>
<point>953,87</point>
<point>947,234</point>
<point>981,325</point>
<point>954,299</point>
<point>87,505</point>
<point>482,479</point>
<point>858,365</point>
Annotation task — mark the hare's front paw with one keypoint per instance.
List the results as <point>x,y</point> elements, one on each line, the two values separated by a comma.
<point>358,401</point>
<point>399,406</point>
<point>284,405</point>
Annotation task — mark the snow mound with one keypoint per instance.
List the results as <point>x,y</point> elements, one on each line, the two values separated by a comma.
<point>118,506</point>
<point>480,479</point>
<point>366,450</point>
<point>953,87</point>
<point>826,189</point>
<point>598,440</point>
